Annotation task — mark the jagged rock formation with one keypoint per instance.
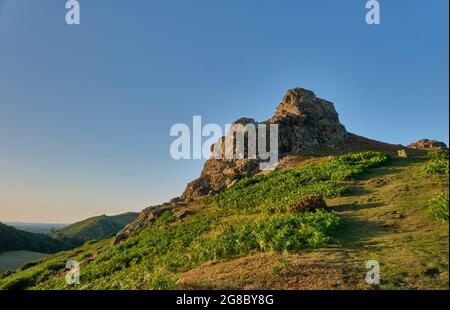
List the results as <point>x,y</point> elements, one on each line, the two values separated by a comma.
<point>217,174</point>
<point>304,122</point>
<point>427,144</point>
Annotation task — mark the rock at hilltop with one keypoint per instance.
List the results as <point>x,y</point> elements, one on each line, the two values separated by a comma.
<point>428,144</point>
<point>306,121</point>
<point>303,120</point>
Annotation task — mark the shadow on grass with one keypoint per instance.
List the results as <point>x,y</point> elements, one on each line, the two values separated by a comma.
<point>355,232</point>
<point>392,167</point>
<point>357,191</point>
<point>356,207</point>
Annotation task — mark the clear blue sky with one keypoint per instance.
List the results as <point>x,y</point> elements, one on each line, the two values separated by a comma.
<point>85,111</point>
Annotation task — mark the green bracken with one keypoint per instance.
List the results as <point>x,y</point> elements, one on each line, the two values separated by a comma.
<point>438,162</point>
<point>439,207</point>
<point>437,166</point>
<point>281,189</point>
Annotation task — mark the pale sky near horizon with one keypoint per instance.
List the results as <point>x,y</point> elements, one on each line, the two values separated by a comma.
<point>85,111</point>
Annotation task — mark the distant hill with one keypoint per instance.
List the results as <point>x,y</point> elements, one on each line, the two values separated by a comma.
<point>40,228</point>
<point>94,228</point>
<point>13,239</point>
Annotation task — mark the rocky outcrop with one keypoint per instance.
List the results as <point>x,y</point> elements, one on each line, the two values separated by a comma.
<point>428,144</point>
<point>306,121</point>
<point>217,174</point>
<point>402,153</point>
<point>303,120</point>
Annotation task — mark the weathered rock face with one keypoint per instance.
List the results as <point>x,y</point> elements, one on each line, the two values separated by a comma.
<point>402,153</point>
<point>217,174</point>
<point>428,144</point>
<point>303,121</point>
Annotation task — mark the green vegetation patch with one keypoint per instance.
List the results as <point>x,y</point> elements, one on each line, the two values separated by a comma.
<point>277,233</point>
<point>437,166</point>
<point>280,190</point>
<point>439,207</point>
<point>437,162</point>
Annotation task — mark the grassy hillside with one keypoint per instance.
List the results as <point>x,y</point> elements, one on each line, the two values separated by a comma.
<point>257,217</point>
<point>12,239</point>
<point>94,228</point>
<point>254,236</point>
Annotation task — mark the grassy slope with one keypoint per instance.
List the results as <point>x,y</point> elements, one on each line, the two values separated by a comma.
<point>383,217</point>
<point>94,228</point>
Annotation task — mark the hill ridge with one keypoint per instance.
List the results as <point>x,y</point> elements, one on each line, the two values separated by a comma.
<point>93,228</point>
